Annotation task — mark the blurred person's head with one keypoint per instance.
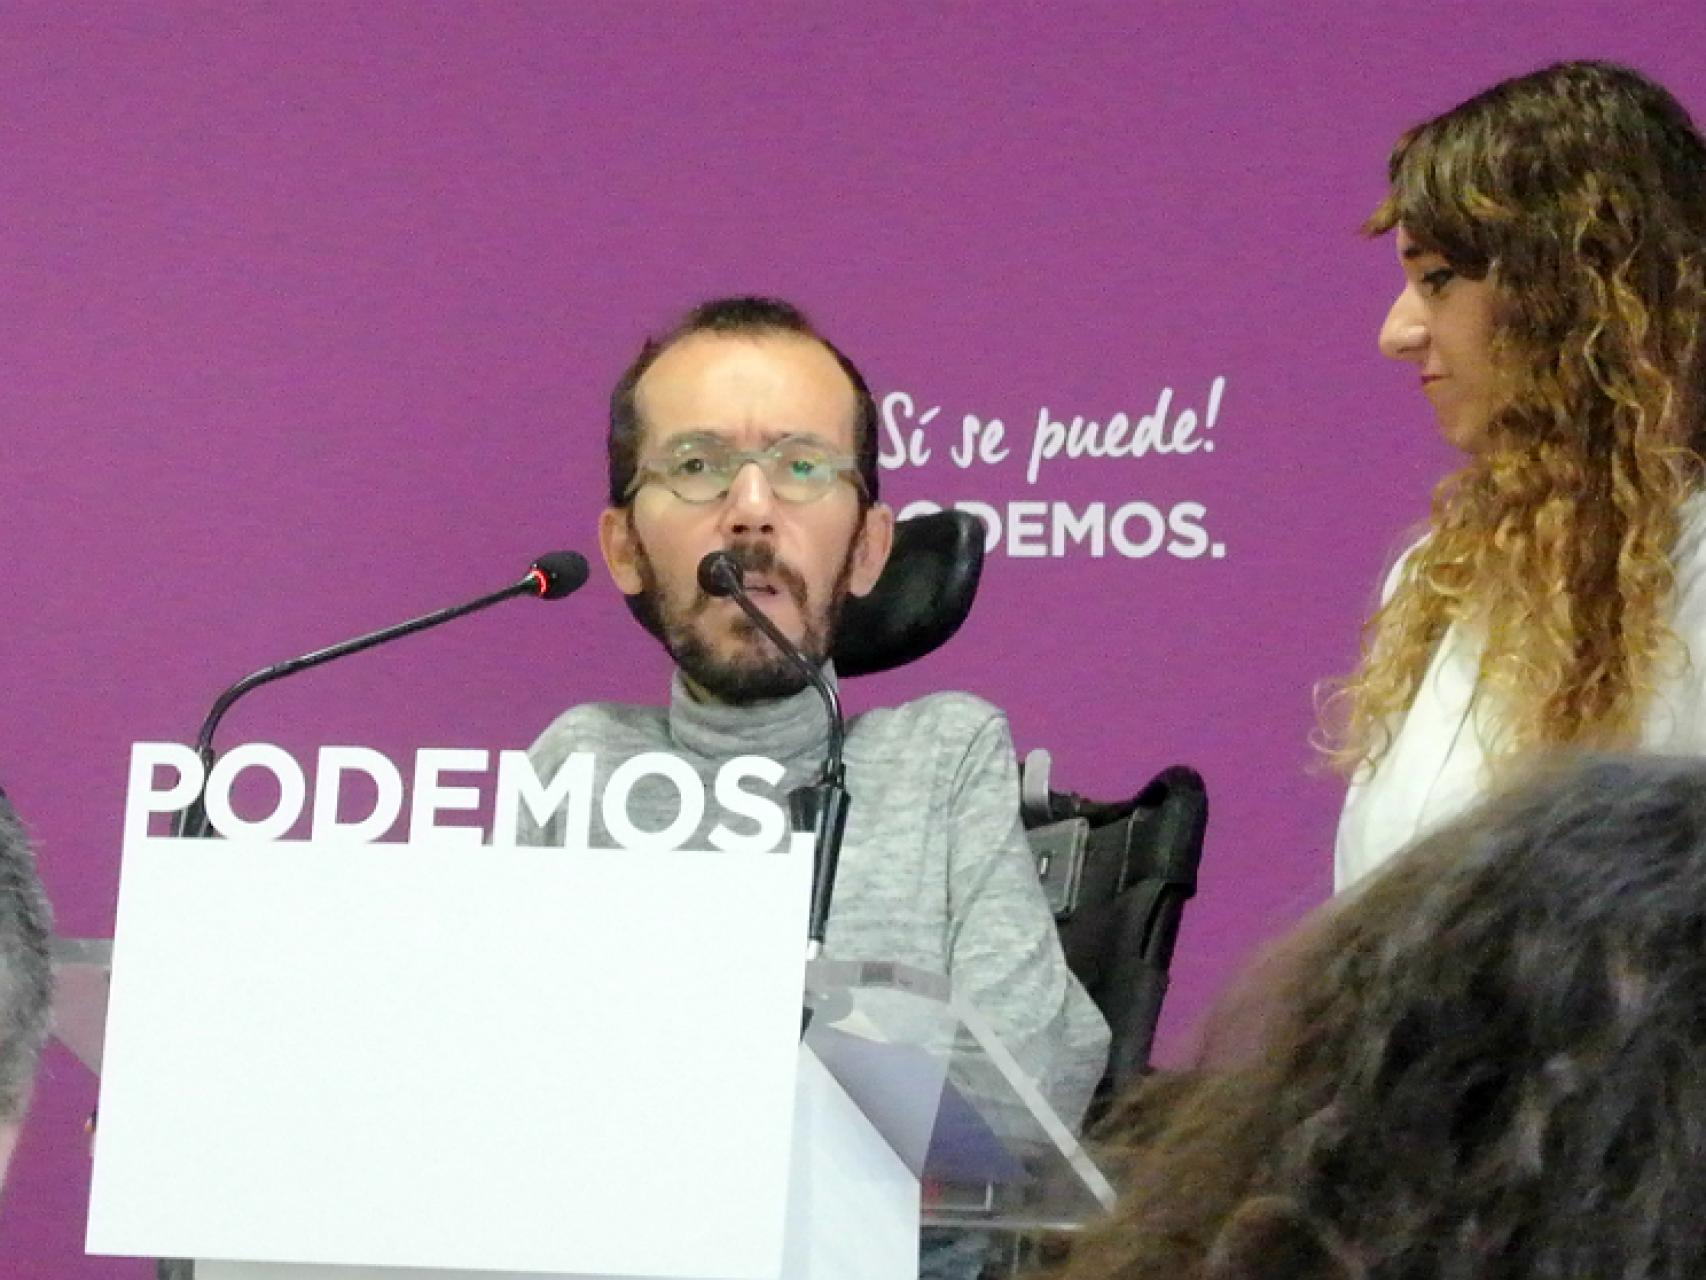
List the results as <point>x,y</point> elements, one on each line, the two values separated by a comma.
<point>26,977</point>
<point>1488,1061</point>
<point>743,429</point>
<point>1551,235</point>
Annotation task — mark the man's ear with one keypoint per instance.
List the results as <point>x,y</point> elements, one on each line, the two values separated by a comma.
<point>871,547</point>
<point>620,543</point>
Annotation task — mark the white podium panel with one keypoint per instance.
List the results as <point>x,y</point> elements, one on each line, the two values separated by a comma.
<point>549,1061</point>
<point>853,1205</point>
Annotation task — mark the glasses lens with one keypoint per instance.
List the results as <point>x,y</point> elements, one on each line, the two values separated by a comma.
<point>697,471</point>
<point>801,470</point>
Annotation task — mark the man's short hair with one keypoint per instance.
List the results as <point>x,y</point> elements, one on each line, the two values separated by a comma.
<point>740,317</point>
<point>26,972</point>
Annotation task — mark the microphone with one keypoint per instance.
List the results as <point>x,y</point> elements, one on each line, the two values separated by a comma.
<point>819,807</point>
<point>551,577</point>
<point>557,574</point>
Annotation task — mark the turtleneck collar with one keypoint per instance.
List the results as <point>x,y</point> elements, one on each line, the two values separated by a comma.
<point>787,729</point>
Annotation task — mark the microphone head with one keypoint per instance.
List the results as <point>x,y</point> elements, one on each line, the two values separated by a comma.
<point>720,575</point>
<point>558,573</point>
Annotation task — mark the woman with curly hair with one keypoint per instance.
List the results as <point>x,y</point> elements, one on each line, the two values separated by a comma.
<point>1486,1062</point>
<point>1552,236</point>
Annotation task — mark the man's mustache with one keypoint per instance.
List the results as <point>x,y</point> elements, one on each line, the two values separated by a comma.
<point>761,558</point>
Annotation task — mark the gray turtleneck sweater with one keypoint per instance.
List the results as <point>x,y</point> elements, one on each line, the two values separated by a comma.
<point>934,873</point>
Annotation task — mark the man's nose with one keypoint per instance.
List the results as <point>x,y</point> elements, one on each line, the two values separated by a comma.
<point>750,507</point>
<point>1404,335</point>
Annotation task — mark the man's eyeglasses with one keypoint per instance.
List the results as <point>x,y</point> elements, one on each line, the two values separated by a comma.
<point>702,468</point>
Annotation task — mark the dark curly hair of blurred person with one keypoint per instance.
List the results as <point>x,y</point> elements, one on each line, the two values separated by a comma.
<point>1580,192</point>
<point>1487,1062</point>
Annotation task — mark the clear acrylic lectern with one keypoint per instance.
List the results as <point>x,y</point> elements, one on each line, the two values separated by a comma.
<point>928,1072</point>
<point>923,1070</point>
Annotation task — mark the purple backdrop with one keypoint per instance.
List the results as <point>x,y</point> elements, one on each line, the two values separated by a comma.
<point>310,311</point>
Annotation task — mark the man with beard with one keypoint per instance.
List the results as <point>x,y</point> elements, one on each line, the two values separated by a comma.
<point>745,430</point>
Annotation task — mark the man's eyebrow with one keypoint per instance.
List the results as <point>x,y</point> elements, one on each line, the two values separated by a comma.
<point>1413,251</point>
<point>687,435</point>
<point>793,433</point>
<point>766,438</point>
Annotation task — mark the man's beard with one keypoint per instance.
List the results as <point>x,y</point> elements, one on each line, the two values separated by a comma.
<point>759,672</point>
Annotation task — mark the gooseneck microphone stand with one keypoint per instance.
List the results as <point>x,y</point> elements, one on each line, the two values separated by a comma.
<point>551,577</point>
<point>821,806</point>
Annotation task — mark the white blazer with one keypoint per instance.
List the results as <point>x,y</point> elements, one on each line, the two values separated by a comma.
<point>1436,765</point>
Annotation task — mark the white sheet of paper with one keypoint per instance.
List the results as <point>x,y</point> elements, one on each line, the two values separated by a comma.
<point>529,1060</point>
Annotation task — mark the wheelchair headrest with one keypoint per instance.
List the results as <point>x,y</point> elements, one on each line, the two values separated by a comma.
<point>924,594</point>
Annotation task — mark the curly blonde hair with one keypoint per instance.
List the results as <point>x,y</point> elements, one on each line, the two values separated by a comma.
<point>1579,191</point>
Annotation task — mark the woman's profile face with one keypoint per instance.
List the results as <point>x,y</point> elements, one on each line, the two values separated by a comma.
<point>1442,323</point>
